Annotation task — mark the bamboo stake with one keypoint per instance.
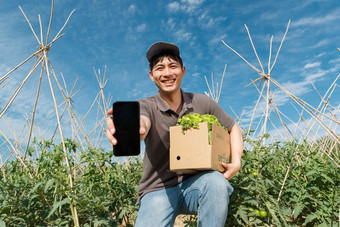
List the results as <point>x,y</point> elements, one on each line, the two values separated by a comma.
<point>54,39</point>
<point>17,90</point>
<point>270,54</point>
<point>49,24</point>
<point>325,102</point>
<point>267,109</point>
<point>35,35</point>
<point>219,94</point>
<point>41,31</point>
<point>15,151</point>
<point>286,176</point>
<point>34,108</point>
<point>213,87</point>
<point>253,67</point>
<point>258,100</point>
<point>68,105</point>
<point>16,67</point>
<point>74,211</point>
<point>308,109</point>
<point>208,87</point>
<point>252,44</point>
<point>278,114</point>
<point>277,54</point>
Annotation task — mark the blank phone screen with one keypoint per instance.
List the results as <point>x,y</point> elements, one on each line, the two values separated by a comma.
<point>126,119</point>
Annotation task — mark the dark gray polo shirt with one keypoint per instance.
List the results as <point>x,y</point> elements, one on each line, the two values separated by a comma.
<point>157,143</point>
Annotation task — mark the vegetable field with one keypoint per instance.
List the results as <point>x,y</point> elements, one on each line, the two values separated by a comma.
<point>57,168</point>
<point>104,192</point>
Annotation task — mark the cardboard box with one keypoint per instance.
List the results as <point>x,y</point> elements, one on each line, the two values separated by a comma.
<point>191,152</point>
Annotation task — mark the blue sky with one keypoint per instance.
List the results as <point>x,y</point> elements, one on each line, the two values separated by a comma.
<point>117,34</point>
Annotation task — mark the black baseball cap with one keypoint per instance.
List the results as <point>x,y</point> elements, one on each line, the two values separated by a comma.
<point>159,47</point>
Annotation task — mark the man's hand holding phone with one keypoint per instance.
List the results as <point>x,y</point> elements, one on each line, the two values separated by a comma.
<point>110,131</point>
<point>126,128</point>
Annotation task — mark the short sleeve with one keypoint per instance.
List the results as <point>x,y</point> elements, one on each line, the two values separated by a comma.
<point>213,108</point>
<point>144,108</point>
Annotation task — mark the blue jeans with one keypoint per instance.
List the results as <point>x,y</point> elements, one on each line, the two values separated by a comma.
<point>205,194</point>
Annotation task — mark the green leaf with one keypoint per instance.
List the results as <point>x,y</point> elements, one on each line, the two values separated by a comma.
<point>35,188</point>
<point>310,173</point>
<point>48,184</point>
<point>310,218</point>
<point>242,212</point>
<point>98,223</point>
<point>59,204</point>
<point>327,178</point>
<point>297,209</point>
<point>2,223</point>
<point>272,212</point>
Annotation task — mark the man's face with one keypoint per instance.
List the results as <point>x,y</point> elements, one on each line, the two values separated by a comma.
<point>167,75</point>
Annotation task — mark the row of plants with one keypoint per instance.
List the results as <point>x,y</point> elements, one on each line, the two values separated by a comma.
<point>285,184</point>
<point>104,192</point>
<point>281,184</point>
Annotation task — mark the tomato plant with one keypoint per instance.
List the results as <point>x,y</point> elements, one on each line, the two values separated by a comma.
<point>104,191</point>
<point>266,193</point>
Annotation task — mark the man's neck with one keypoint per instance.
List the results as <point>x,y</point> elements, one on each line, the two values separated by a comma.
<point>174,101</point>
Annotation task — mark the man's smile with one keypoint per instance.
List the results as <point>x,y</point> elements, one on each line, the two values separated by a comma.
<point>168,81</point>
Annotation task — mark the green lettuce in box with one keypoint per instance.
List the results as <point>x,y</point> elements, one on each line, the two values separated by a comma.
<point>198,143</point>
<point>191,121</point>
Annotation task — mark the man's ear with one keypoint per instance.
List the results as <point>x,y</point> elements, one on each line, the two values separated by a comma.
<point>151,76</point>
<point>183,69</point>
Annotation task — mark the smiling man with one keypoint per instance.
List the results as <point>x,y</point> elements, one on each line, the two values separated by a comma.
<point>163,194</point>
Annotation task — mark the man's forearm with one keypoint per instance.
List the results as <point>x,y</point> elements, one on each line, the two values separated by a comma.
<point>236,143</point>
<point>145,125</point>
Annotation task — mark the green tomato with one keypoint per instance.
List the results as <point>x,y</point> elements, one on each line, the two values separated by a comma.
<point>257,211</point>
<point>263,213</point>
<point>255,173</point>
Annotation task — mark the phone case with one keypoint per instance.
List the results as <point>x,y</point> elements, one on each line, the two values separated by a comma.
<point>126,117</point>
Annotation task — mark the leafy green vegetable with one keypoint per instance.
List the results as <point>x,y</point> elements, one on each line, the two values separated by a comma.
<point>192,120</point>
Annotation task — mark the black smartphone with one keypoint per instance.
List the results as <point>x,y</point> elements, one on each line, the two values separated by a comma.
<point>126,119</point>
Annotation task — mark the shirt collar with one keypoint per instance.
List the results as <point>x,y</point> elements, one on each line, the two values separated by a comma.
<point>164,107</point>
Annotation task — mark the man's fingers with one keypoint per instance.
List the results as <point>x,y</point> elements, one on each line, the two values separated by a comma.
<point>110,128</point>
<point>110,111</point>
<point>110,125</point>
<point>224,165</point>
<point>142,130</point>
<point>110,137</point>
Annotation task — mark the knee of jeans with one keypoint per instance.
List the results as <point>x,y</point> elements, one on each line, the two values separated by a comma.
<point>218,184</point>
<point>156,200</point>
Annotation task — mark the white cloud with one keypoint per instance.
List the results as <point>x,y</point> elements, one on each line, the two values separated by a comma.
<point>173,7</point>
<point>141,27</point>
<point>183,35</point>
<point>217,40</point>
<point>171,23</point>
<point>188,6</point>
<point>313,21</point>
<point>132,9</point>
<point>312,65</point>
<point>312,77</point>
<point>337,60</point>
<point>191,5</point>
<point>209,22</point>
<point>321,43</point>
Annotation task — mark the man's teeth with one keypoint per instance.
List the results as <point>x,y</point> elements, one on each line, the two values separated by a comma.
<point>168,81</point>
